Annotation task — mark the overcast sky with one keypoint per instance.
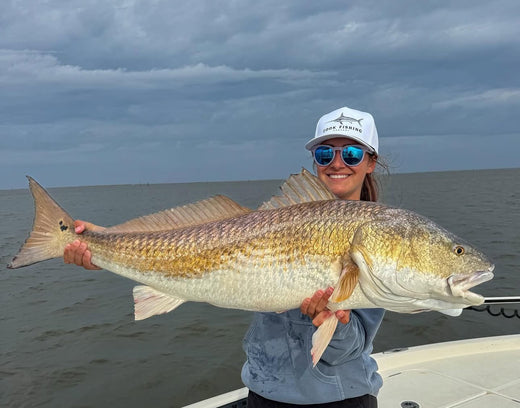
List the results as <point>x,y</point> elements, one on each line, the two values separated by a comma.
<point>127,91</point>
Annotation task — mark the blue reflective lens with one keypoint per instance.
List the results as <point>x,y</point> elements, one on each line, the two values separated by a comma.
<point>324,155</point>
<point>351,155</point>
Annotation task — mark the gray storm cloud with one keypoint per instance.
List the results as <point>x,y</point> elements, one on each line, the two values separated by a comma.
<point>105,84</point>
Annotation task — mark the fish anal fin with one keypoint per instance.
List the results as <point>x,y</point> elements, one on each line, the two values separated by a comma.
<point>212,209</point>
<point>347,283</point>
<point>322,337</point>
<point>299,188</point>
<point>149,302</point>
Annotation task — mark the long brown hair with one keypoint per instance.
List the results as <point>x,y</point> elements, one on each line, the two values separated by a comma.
<point>371,186</point>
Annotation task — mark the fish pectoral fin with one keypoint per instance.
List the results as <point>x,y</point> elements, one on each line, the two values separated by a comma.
<point>322,337</point>
<point>149,302</point>
<point>347,283</point>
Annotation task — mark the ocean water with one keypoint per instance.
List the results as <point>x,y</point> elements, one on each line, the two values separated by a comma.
<point>68,338</point>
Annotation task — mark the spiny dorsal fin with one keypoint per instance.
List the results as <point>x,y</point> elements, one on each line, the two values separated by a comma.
<point>299,188</point>
<point>212,209</point>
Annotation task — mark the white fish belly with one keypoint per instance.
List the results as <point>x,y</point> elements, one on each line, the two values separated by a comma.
<point>246,285</point>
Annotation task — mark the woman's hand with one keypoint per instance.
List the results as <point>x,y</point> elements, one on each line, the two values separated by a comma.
<point>316,308</point>
<point>78,252</point>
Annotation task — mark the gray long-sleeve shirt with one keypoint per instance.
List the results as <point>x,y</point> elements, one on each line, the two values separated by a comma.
<point>279,364</point>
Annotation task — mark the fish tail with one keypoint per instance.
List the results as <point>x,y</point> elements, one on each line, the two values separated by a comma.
<point>322,337</point>
<point>52,230</point>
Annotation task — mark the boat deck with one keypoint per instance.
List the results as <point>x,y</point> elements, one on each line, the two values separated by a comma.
<point>475,373</point>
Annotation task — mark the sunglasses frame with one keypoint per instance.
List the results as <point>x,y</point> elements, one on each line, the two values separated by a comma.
<point>340,149</point>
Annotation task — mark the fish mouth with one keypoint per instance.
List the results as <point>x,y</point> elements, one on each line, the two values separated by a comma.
<point>460,284</point>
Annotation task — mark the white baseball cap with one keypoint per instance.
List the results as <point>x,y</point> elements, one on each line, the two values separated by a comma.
<point>348,123</point>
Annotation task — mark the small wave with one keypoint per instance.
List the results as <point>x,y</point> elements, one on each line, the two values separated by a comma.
<point>51,334</point>
<point>99,361</point>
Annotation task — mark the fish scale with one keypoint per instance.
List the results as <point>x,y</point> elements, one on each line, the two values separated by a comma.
<point>275,236</point>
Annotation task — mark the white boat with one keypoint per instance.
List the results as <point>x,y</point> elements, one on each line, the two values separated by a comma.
<point>474,373</point>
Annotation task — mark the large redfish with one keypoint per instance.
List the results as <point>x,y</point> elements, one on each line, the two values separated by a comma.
<point>219,252</point>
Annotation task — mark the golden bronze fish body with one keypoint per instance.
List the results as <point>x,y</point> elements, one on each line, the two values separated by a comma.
<point>246,261</point>
<point>271,259</point>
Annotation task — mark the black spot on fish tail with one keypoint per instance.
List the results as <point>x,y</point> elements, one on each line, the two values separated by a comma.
<point>63,227</point>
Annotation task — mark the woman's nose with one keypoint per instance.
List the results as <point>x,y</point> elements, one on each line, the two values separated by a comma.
<point>337,162</point>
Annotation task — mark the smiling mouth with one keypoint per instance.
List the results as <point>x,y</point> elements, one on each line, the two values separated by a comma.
<point>338,176</point>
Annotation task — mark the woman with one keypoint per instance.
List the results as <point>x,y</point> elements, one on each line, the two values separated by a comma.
<point>277,370</point>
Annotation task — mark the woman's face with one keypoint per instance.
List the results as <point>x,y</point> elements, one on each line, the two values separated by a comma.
<point>343,181</point>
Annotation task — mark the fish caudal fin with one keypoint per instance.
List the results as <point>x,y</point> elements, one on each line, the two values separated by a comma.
<point>321,338</point>
<point>52,230</point>
<point>150,302</point>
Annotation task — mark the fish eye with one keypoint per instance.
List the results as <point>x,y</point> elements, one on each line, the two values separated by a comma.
<point>459,250</point>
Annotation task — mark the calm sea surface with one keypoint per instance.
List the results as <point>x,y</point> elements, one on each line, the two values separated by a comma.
<point>68,338</point>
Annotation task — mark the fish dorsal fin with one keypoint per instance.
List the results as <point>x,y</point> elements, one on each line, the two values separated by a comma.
<point>299,188</point>
<point>212,209</point>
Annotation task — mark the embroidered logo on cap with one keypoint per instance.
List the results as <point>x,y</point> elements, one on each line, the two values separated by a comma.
<point>342,118</point>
